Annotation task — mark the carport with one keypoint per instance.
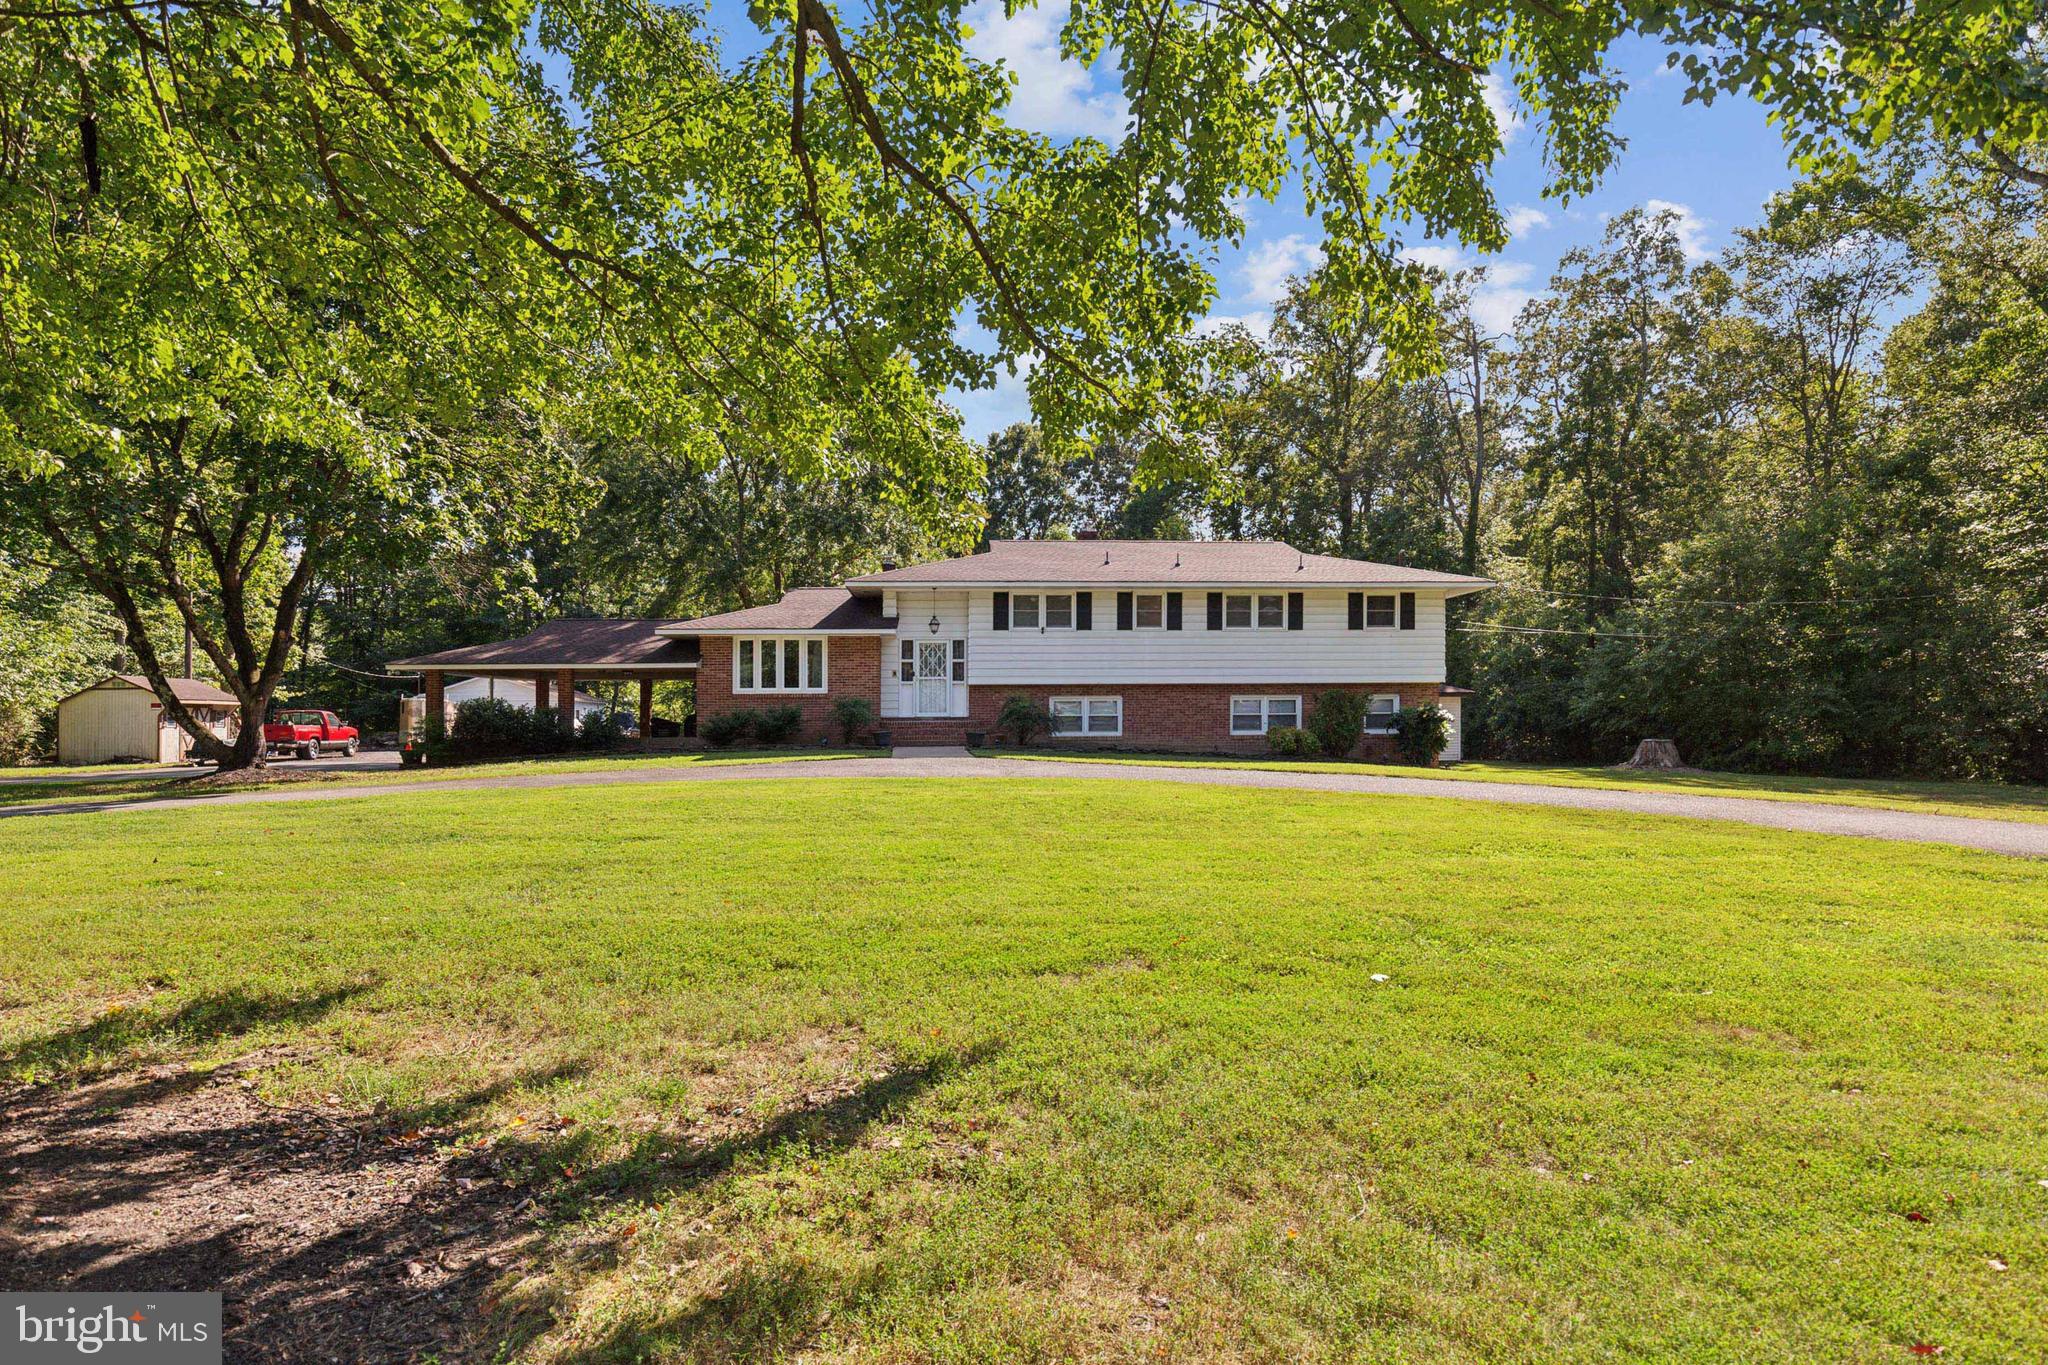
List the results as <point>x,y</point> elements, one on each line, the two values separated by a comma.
<point>558,655</point>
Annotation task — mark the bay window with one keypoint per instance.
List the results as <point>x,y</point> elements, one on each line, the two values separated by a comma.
<point>783,663</point>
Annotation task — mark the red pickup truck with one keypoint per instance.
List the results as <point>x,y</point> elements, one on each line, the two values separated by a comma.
<point>308,733</point>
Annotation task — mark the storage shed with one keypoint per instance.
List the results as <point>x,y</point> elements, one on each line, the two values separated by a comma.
<point>119,720</point>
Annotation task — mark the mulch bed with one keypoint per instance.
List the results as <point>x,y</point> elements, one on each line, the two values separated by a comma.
<point>331,1236</point>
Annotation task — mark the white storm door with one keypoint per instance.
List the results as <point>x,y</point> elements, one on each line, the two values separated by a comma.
<point>934,677</point>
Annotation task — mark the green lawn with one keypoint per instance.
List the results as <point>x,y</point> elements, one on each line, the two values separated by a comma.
<point>961,1071</point>
<point>155,786</point>
<point>1984,799</point>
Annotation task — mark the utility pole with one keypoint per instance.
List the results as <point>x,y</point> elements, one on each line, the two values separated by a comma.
<point>188,652</point>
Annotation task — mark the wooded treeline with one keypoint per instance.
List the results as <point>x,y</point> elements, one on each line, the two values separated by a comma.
<point>316,350</point>
<point>1788,505</point>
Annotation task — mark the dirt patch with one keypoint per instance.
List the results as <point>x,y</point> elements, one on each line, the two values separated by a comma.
<point>331,1236</point>
<point>244,779</point>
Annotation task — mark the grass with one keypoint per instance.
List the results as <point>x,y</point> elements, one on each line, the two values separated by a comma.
<point>1989,800</point>
<point>957,1071</point>
<point>158,786</point>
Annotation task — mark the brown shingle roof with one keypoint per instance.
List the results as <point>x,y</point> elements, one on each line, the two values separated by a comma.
<point>1263,562</point>
<point>191,691</point>
<point>801,609</point>
<point>577,642</point>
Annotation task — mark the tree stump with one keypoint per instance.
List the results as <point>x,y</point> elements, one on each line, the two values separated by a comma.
<point>1655,753</point>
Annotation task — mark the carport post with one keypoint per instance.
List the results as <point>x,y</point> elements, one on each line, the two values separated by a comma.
<point>646,709</point>
<point>540,693</point>
<point>436,697</point>
<point>565,709</point>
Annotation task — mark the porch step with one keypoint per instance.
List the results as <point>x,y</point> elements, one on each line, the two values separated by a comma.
<point>915,732</point>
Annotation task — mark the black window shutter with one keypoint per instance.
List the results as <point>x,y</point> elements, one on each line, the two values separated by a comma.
<point>1357,609</point>
<point>1173,611</point>
<point>1123,611</point>
<point>1084,611</point>
<point>1294,611</point>
<point>1215,611</point>
<point>1002,611</point>
<point>1407,611</point>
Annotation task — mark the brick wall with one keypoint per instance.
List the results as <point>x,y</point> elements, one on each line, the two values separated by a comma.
<point>1189,717</point>
<point>853,668</point>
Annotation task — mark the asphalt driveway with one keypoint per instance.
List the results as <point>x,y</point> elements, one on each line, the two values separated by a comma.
<point>2013,837</point>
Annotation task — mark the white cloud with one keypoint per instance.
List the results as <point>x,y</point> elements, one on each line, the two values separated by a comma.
<point>1523,220</point>
<point>1052,95</point>
<point>1497,298</point>
<point>1259,324</point>
<point>1691,228</point>
<point>1272,261</point>
<point>1448,259</point>
<point>1500,103</point>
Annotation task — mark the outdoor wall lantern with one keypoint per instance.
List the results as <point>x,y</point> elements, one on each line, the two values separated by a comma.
<point>933,624</point>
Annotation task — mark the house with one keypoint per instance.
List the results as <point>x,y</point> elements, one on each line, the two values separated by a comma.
<point>1186,645</point>
<point>119,720</point>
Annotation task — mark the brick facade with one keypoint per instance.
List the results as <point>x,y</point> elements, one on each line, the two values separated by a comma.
<point>853,668</point>
<point>1185,717</point>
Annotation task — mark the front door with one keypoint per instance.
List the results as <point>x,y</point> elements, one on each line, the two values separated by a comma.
<point>934,677</point>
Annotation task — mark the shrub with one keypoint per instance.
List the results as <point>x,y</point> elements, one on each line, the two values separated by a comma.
<point>1422,733</point>
<point>1024,718</point>
<point>1291,742</point>
<point>852,714</point>
<point>1337,720</point>
<point>602,730</point>
<point>727,729</point>
<point>490,728</point>
<point>778,724</point>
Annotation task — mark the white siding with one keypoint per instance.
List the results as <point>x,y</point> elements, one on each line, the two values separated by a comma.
<point>109,723</point>
<point>914,613</point>
<point>1322,651</point>
<point>1455,750</point>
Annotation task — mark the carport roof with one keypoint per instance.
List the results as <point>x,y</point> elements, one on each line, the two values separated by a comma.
<point>578,642</point>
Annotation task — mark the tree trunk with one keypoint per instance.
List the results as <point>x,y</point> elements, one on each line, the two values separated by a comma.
<point>1655,754</point>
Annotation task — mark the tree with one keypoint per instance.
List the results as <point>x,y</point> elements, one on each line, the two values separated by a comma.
<point>1614,372</point>
<point>1472,423</point>
<point>53,640</point>
<point>674,536</point>
<point>1025,494</point>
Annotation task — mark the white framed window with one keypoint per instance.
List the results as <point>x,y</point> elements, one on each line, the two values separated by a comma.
<point>906,668</point>
<point>780,663</point>
<point>1380,713</point>
<point>1256,715</point>
<point>1041,611</point>
<point>1255,611</point>
<point>959,661</point>
<point>1096,717</point>
<point>1379,610</point>
<point>1148,611</point>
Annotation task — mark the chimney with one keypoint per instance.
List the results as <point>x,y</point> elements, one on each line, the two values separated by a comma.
<point>1088,533</point>
<point>888,564</point>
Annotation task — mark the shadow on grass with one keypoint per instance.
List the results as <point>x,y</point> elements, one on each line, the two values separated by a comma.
<point>120,1035</point>
<point>762,1311</point>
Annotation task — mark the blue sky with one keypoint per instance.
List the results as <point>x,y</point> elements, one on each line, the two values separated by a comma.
<point>1715,165</point>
